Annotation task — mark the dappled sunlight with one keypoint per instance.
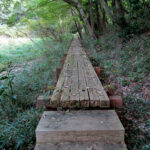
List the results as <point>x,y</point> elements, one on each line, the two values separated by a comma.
<point>6,41</point>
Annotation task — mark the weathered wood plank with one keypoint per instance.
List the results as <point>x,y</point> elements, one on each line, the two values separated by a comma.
<point>103,100</point>
<point>74,93</point>
<point>80,126</point>
<point>56,96</point>
<point>54,102</point>
<point>65,96</point>
<point>93,96</point>
<point>80,146</point>
<point>83,93</point>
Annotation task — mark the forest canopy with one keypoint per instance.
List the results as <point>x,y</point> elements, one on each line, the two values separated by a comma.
<point>129,16</point>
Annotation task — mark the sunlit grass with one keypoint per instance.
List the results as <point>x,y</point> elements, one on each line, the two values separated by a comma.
<point>18,50</point>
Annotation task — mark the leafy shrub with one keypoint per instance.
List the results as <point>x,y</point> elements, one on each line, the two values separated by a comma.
<point>20,132</point>
<point>129,59</point>
<point>136,121</point>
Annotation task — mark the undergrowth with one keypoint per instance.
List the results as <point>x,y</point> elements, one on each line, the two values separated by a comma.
<point>129,59</point>
<point>19,91</point>
<point>125,63</point>
<point>135,116</point>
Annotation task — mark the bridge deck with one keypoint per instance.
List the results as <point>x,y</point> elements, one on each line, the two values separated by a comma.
<point>78,85</point>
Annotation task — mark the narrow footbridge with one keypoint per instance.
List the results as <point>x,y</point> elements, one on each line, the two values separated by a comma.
<point>78,85</point>
<point>78,88</point>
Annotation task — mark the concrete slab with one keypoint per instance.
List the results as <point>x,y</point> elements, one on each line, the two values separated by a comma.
<point>80,126</point>
<point>81,146</point>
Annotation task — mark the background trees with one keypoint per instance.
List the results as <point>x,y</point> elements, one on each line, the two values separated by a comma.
<point>129,16</point>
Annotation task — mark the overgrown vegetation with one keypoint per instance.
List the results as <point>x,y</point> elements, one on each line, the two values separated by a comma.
<point>129,58</point>
<point>126,66</point>
<point>135,117</point>
<point>20,88</point>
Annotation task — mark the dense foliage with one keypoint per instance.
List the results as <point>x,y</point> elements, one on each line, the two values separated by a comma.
<point>20,85</point>
<point>126,68</point>
<point>131,16</point>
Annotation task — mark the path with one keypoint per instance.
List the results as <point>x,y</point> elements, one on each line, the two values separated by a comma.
<point>79,87</point>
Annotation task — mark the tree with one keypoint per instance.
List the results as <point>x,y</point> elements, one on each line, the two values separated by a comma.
<point>91,14</point>
<point>117,16</point>
<point>77,23</point>
<point>130,15</point>
<point>84,18</point>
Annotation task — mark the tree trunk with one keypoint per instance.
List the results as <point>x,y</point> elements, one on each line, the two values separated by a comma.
<point>104,18</point>
<point>84,18</point>
<point>78,26</point>
<point>107,10</point>
<point>98,17</point>
<point>114,6</point>
<point>91,15</point>
<point>120,14</point>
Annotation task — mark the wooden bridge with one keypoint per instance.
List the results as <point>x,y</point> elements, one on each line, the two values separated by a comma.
<point>79,87</point>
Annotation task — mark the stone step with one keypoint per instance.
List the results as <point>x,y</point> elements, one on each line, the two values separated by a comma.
<point>80,126</point>
<point>80,146</point>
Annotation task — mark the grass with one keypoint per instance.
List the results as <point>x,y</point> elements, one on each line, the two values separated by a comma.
<point>126,65</point>
<point>19,90</point>
<point>19,50</point>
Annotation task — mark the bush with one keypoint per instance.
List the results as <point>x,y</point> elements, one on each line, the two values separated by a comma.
<point>135,119</point>
<point>19,133</point>
<point>137,17</point>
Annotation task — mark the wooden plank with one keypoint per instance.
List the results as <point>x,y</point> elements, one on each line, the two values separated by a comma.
<point>54,102</point>
<point>98,88</point>
<point>83,93</point>
<point>65,96</point>
<point>90,84</point>
<point>80,146</point>
<point>80,126</point>
<point>56,96</point>
<point>74,93</point>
